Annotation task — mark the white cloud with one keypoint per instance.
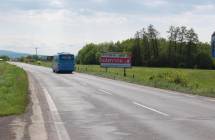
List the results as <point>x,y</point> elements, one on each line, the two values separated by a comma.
<point>65,29</point>
<point>49,28</point>
<point>207,9</point>
<point>98,1</point>
<point>155,3</point>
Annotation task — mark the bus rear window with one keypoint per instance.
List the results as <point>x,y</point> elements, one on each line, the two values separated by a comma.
<point>66,57</point>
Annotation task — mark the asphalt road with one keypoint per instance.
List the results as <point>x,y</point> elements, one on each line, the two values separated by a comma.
<point>83,107</point>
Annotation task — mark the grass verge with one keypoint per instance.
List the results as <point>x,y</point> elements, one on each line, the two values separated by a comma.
<point>198,82</point>
<point>13,89</point>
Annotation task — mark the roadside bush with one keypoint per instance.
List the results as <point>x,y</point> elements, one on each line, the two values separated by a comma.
<point>39,62</point>
<point>5,58</point>
<point>177,78</point>
<point>181,65</point>
<point>204,61</point>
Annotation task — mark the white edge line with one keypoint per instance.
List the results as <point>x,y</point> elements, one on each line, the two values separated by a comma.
<point>212,100</point>
<point>154,110</point>
<point>105,92</point>
<point>60,128</point>
<point>191,96</point>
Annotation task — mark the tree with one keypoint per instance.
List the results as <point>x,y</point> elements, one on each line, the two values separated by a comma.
<point>191,47</point>
<point>181,38</point>
<point>172,47</point>
<point>204,61</point>
<point>146,51</point>
<point>153,35</point>
<point>181,49</point>
<point>4,58</point>
<point>136,51</point>
<point>88,55</point>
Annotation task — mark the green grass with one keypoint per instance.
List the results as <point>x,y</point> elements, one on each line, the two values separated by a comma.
<point>198,82</point>
<point>42,63</point>
<point>13,90</point>
<point>193,81</point>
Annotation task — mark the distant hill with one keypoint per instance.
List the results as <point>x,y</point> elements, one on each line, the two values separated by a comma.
<point>12,54</point>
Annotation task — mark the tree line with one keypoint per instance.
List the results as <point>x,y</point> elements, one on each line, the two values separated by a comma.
<point>4,58</point>
<point>181,49</point>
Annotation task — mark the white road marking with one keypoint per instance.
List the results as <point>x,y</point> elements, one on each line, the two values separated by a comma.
<point>60,128</point>
<point>104,91</point>
<point>212,100</point>
<point>190,96</point>
<point>37,119</point>
<point>154,110</point>
<point>20,130</point>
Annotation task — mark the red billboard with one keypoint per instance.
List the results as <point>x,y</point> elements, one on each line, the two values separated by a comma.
<point>115,60</point>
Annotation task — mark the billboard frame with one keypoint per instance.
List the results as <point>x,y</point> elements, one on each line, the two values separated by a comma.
<point>116,60</point>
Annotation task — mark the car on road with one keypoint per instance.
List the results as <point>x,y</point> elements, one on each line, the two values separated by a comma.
<point>63,62</point>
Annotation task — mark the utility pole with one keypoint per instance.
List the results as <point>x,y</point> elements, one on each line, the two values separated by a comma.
<point>36,53</point>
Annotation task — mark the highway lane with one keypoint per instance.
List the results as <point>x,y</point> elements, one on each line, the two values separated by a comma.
<point>84,107</point>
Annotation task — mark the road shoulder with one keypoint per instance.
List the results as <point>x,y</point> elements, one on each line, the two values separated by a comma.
<point>35,124</point>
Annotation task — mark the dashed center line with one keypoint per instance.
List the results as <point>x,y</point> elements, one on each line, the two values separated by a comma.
<point>152,109</point>
<point>104,91</point>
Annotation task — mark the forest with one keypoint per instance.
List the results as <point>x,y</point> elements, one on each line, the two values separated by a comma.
<point>180,49</point>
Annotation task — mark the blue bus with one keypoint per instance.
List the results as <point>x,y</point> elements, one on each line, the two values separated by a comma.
<point>213,45</point>
<point>63,62</point>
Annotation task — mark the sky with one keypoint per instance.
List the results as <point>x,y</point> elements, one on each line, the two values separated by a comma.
<point>67,25</point>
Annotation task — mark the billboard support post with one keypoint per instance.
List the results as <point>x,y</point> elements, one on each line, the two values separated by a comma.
<point>124,72</point>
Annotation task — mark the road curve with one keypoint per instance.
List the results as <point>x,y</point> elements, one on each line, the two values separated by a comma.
<point>83,107</point>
